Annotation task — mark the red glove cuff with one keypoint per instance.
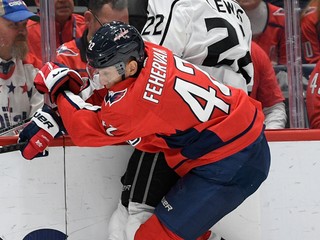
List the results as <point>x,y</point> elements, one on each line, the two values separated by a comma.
<point>37,144</point>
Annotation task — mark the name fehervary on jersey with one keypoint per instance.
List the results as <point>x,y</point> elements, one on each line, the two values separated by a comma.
<point>157,77</point>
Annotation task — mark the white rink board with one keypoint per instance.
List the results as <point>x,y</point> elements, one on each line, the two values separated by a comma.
<point>33,194</point>
<point>290,199</point>
<point>75,194</point>
<point>93,188</point>
<point>287,206</point>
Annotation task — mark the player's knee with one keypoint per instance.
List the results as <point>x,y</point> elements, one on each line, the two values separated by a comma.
<point>139,213</point>
<point>117,223</point>
<point>154,229</point>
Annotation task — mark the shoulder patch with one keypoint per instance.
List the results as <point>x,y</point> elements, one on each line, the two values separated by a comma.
<point>114,97</point>
<point>279,12</point>
<point>310,10</point>
<point>64,50</point>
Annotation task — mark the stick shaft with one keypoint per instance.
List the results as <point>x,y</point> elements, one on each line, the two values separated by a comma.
<point>11,147</point>
<point>15,127</point>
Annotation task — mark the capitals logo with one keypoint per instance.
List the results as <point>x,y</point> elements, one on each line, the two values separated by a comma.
<point>64,50</point>
<point>114,97</point>
<point>279,12</point>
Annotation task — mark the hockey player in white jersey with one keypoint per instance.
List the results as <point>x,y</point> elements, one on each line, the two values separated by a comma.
<point>216,36</point>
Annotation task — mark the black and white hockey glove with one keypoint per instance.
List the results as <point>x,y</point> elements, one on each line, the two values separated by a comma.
<point>37,135</point>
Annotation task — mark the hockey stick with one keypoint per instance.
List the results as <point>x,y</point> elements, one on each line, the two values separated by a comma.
<point>15,127</point>
<point>17,147</point>
<point>11,147</point>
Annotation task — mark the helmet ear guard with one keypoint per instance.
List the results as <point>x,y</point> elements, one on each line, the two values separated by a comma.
<point>121,68</point>
<point>115,43</point>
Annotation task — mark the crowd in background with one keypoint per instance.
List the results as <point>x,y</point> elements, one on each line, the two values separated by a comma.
<point>21,58</point>
<point>268,31</point>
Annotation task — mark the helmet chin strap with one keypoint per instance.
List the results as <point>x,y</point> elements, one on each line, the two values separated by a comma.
<point>121,68</point>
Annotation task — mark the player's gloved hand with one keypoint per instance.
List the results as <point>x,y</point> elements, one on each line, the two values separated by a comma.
<point>53,78</point>
<point>44,126</point>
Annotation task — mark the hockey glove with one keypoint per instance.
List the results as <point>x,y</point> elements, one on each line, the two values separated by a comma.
<point>53,78</point>
<point>44,126</point>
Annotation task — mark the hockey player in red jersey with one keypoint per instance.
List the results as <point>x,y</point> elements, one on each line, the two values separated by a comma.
<point>313,98</point>
<point>212,135</point>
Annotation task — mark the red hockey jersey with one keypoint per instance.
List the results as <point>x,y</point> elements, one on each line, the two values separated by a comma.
<point>173,107</point>
<point>273,40</point>
<point>265,88</point>
<point>72,29</point>
<point>310,33</point>
<point>313,98</point>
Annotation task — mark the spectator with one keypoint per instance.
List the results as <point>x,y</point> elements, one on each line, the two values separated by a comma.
<point>267,90</point>
<point>68,26</point>
<point>268,28</point>
<point>196,144</point>
<point>280,3</point>
<point>137,13</point>
<point>313,98</point>
<point>19,98</point>
<point>310,32</point>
